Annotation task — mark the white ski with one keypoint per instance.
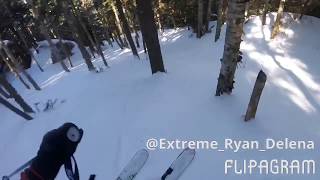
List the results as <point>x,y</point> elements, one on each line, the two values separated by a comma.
<point>179,165</point>
<point>134,165</point>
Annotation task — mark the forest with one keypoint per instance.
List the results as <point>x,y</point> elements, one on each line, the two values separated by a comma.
<point>130,70</point>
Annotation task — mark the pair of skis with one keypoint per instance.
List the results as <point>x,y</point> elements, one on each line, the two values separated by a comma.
<point>172,173</point>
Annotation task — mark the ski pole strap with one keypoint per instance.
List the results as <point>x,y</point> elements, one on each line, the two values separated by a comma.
<point>72,175</point>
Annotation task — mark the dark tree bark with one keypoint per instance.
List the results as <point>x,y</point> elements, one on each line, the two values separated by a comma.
<point>118,37</point>
<point>13,68</point>
<point>137,39</point>
<point>126,28</point>
<point>222,7</point>
<point>144,46</point>
<point>304,7</point>
<point>14,94</point>
<point>15,62</point>
<point>135,23</point>
<point>21,35</point>
<point>4,93</point>
<point>56,56</point>
<point>105,25</point>
<point>265,11</point>
<point>64,49</point>
<point>14,109</point>
<point>99,49</point>
<point>209,11</point>
<point>231,53</point>
<point>200,19</point>
<point>118,26</point>
<point>23,39</point>
<point>117,40</point>
<point>77,16</point>
<point>255,96</point>
<point>71,19</point>
<point>150,34</point>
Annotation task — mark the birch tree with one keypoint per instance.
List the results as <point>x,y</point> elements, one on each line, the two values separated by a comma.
<point>231,53</point>
<point>277,23</point>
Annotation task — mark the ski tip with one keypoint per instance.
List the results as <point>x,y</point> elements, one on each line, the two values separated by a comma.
<point>145,151</point>
<point>190,150</point>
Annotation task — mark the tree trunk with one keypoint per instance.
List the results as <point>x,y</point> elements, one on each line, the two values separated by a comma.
<point>304,8</point>
<point>118,36</point>
<point>136,29</point>
<point>221,17</point>
<point>64,49</point>
<point>64,66</point>
<point>71,19</point>
<point>209,11</point>
<point>200,19</point>
<point>105,25</point>
<point>56,56</point>
<point>14,94</point>
<point>126,28</point>
<point>15,62</point>
<point>255,96</point>
<point>14,109</point>
<point>150,34</point>
<point>83,26</point>
<point>13,68</point>
<point>158,15</point>
<point>118,23</point>
<point>54,50</point>
<point>100,50</point>
<point>277,24</point>
<point>137,39</point>
<point>117,39</point>
<point>246,14</point>
<point>231,54</point>
<point>21,36</point>
<point>23,39</point>
<point>4,93</point>
<point>31,80</point>
<point>118,26</point>
<point>265,11</point>
<point>30,36</point>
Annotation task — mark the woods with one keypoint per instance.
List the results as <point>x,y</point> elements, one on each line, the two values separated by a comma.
<point>93,26</point>
<point>186,82</point>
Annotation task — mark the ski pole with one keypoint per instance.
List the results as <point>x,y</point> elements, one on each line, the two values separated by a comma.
<point>18,170</point>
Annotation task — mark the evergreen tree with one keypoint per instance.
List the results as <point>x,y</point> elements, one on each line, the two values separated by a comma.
<point>150,35</point>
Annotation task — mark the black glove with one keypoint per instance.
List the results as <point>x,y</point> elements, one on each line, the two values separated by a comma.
<point>56,148</point>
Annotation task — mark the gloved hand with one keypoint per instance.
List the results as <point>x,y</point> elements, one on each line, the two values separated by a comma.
<point>56,148</point>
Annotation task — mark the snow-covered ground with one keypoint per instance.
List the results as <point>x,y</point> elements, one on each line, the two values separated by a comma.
<point>122,107</point>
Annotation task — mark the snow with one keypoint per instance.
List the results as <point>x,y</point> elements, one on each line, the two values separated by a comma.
<point>123,106</point>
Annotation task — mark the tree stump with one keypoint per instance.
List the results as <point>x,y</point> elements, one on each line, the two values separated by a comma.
<point>255,96</point>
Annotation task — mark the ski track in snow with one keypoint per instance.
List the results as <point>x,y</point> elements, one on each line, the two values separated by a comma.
<point>122,107</point>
